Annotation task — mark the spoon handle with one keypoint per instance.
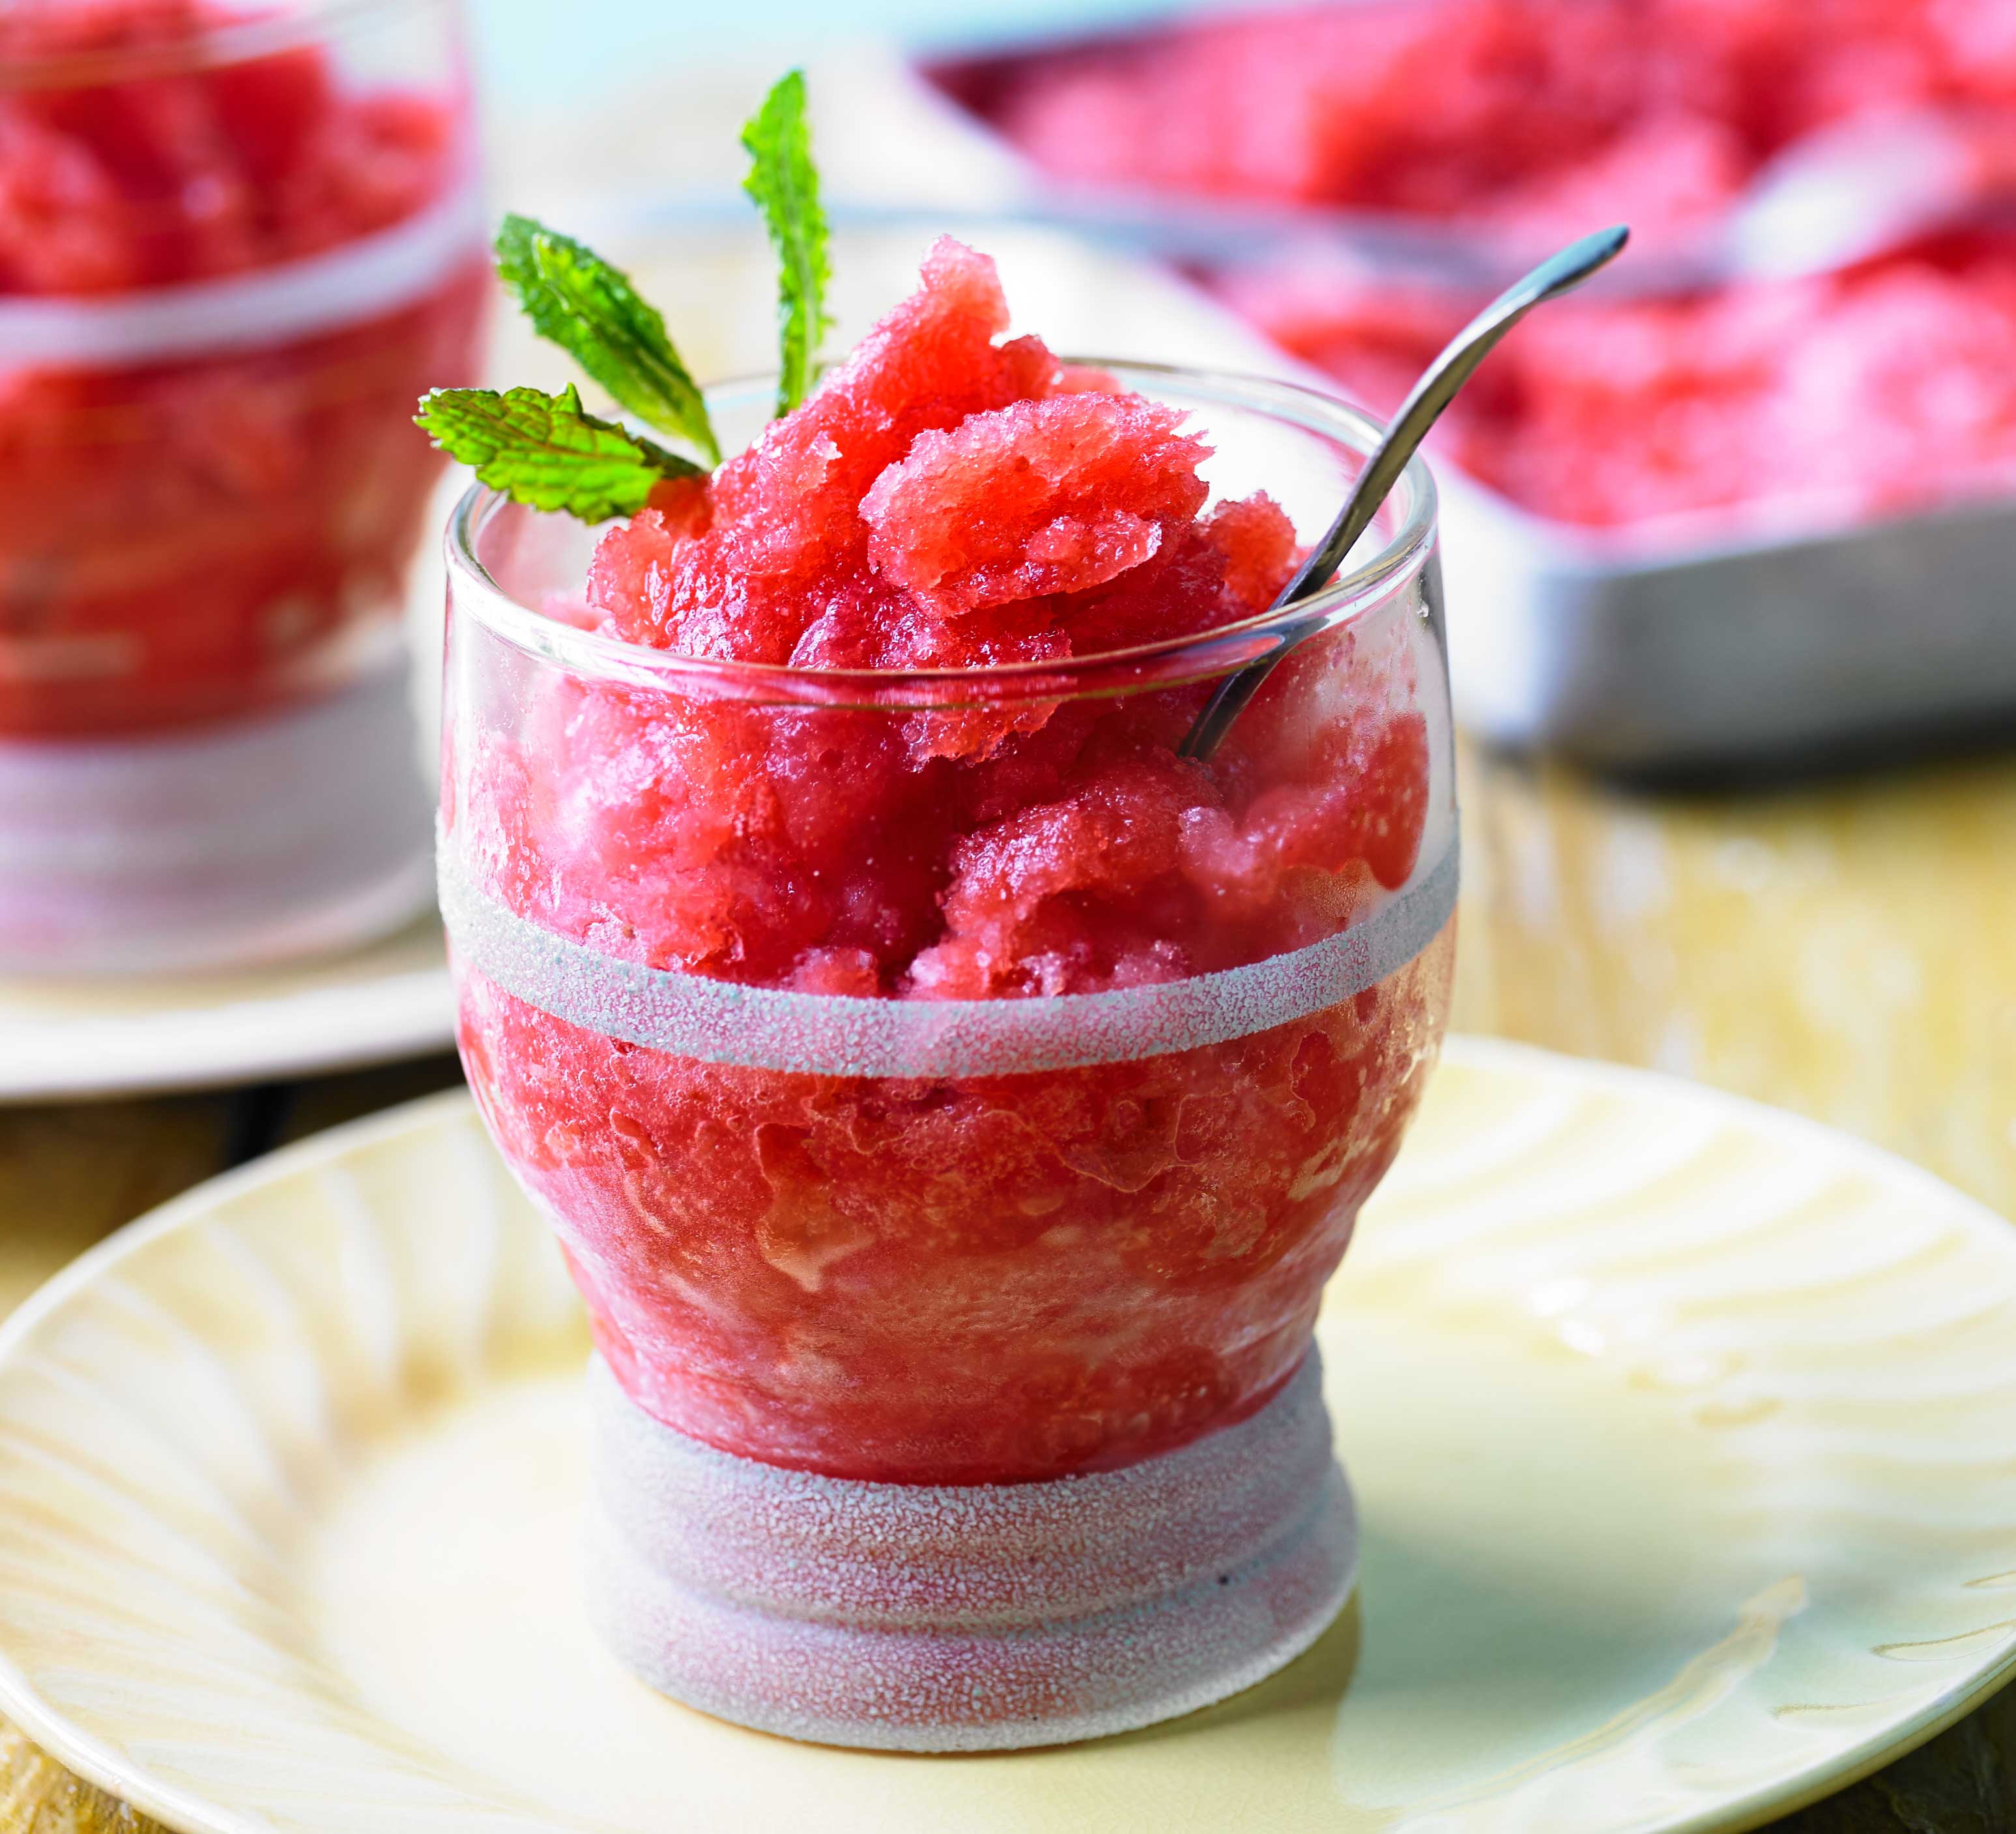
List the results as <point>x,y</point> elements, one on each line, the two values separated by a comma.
<point>1435,391</point>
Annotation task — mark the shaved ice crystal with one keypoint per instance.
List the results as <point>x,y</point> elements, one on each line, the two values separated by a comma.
<point>1039,497</point>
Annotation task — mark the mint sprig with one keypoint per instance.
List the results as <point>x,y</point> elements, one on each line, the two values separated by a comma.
<point>578,301</point>
<point>543,450</point>
<point>784,183</point>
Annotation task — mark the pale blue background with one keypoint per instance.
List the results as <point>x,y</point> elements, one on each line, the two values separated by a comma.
<point>534,48</point>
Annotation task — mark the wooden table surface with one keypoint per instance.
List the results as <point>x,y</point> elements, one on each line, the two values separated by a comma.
<point>1848,949</point>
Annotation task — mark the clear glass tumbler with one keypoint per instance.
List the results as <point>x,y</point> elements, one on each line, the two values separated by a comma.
<point>956,1385</point>
<point>236,243</point>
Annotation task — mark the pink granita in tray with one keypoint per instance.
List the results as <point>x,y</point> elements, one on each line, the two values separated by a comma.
<point>1546,115</point>
<point>1883,389</point>
<point>1816,402</point>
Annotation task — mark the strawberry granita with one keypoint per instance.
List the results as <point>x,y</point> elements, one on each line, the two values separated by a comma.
<point>933,1077</point>
<point>227,265</point>
<point>1825,401</point>
<point>1526,119</point>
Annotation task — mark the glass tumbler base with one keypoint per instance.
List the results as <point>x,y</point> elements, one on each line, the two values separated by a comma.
<point>970,1618</point>
<point>290,833</point>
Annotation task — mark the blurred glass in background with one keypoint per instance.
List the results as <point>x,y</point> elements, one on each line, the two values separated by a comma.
<point>235,245</point>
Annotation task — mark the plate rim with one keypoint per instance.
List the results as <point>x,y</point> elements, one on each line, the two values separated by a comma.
<point>184,1813</point>
<point>423,1024</point>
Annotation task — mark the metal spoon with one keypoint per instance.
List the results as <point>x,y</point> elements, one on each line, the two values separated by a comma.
<point>1435,391</point>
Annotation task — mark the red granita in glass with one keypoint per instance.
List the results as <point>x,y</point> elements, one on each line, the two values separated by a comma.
<point>932,1076</point>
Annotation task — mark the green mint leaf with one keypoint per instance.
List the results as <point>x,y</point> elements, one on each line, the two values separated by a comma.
<point>543,450</point>
<point>784,183</point>
<point>577,299</point>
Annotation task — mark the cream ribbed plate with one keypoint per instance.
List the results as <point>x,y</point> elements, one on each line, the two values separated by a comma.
<point>1684,1434</point>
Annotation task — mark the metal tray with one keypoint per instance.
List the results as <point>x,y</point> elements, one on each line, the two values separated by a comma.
<point>1794,650</point>
<point>1712,652</point>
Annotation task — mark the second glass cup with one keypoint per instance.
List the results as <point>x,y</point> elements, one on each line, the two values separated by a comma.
<point>235,246</point>
<point>955,1318</point>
